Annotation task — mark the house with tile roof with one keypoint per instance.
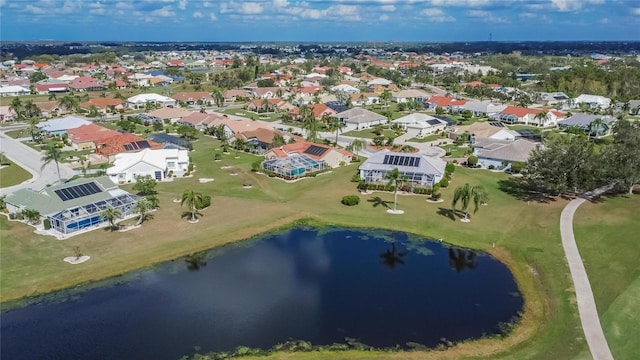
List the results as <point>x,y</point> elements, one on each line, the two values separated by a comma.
<point>86,83</point>
<point>121,143</point>
<point>84,137</point>
<point>7,113</point>
<point>438,101</point>
<point>317,110</point>
<point>333,157</point>
<point>142,99</point>
<point>528,116</point>
<point>103,104</point>
<point>199,120</point>
<point>359,118</point>
<point>233,95</point>
<point>44,89</point>
<point>261,138</point>
<point>61,125</point>
<point>172,114</point>
<point>159,164</point>
<point>271,105</point>
<point>194,97</point>
<point>419,125</point>
<point>363,99</point>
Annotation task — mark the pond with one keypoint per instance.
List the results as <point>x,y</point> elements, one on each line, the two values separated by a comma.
<point>320,285</point>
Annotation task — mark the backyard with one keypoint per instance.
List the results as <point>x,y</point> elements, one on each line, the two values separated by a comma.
<point>526,239</point>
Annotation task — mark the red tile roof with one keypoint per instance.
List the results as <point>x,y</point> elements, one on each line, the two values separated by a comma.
<point>90,132</point>
<point>115,144</point>
<point>520,111</point>
<point>299,147</point>
<point>441,101</point>
<point>101,103</point>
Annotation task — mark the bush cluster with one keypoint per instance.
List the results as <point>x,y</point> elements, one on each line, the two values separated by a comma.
<point>350,200</point>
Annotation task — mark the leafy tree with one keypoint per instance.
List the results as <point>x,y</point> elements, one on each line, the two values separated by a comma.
<point>218,97</point>
<point>17,107</point>
<point>598,128</point>
<point>311,125</point>
<point>69,102</point>
<point>142,207</point>
<point>154,201</point>
<point>266,83</point>
<point>623,156</point>
<point>472,161</point>
<point>30,109</point>
<point>396,178</point>
<point>193,200</point>
<point>355,146</point>
<point>33,216</point>
<point>188,132</point>
<point>145,185</point>
<point>336,125</point>
<point>111,214</point>
<point>277,141</point>
<point>439,111</point>
<point>34,131</point>
<point>465,195</point>
<point>52,154</point>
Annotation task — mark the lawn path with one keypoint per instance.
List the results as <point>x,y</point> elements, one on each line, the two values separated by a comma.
<point>586,303</point>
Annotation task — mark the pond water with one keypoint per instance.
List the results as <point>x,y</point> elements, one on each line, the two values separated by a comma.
<point>319,285</point>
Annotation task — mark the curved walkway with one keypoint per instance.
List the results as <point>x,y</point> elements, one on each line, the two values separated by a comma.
<point>586,303</point>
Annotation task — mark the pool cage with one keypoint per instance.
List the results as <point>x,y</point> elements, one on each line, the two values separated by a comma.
<point>88,215</point>
<point>413,179</point>
<point>294,166</point>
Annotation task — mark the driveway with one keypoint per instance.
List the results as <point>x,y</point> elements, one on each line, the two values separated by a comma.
<point>30,160</point>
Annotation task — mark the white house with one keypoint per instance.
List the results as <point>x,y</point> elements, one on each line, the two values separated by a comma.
<point>407,95</point>
<point>420,170</point>
<point>502,153</point>
<point>345,88</point>
<point>419,125</point>
<point>380,82</point>
<point>528,116</point>
<point>358,118</point>
<point>61,125</point>
<point>159,164</point>
<point>480,108</point>
<point>143,99</point>
<point>13,90</point>
<point>594,101</point>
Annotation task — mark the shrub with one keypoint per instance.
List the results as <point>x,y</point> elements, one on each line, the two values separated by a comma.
<point>450,168</point>
<point>342,163</point>
<point>455,161</point>
<point>435,189</point>
<point>206,202</point>
<point>350,200</point>
<point>256,165</point>
<point>217,156</point>
<point>435,196</point>
<point>444,182</point>
<point>517,167</point>
<point>190,167</point>
<point>47,224</point>
<point>170,174</point>
<point>472,161</point>
<point>491,167</point>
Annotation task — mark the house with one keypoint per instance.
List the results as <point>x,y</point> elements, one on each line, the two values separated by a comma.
<point>344,88</point>
<point>359,118</point>
<point>553,98</point>
<point>235,128</point>
<point>420,170</point>
<point>634,107</point>
<point>84,136</point>
<point>583,121</point>
<point>142,100</point>
<point>103,104</point>
<point>502,153</point>
<point>44,89</point>
<point>192,98</point>
<point>379,82</point>
<point>170,141</point>
<point>260,138</point>
<point>487,130</point>
<point>317,110</point>
<point>7,113</point>
<point>76,205</point>
<point>61,125</point>
<point>407,95</point>
<point>333,157</point>
<point>593,101</point>
<point>477,108</point>
<point>13,90</point>
<point>171,114</point>
<point>419,125</point>
<point>233,95</point>
<point>198,120</point>
<point>528,116</point>
<point>125,142</point>
<point>437,101</point>
<point>86,83</point>
<point>51,108</point>
<point>268,92</point>
<point>363,99</point>
<point>266,105</point>
<point>159,164</point>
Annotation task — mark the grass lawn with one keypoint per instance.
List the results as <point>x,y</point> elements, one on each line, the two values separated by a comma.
<point>456,151</point>
<point>369,134</point>
<point>535,129</point>
<point>607,237</point>
<point>12,174</point>
<point>427,139</point>
<point>17,133</point>
<point>524,235</point>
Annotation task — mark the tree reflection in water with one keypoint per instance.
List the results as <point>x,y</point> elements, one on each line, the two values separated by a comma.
<point>196,261</point>
<point>392,257</point>
<point>460,259</point>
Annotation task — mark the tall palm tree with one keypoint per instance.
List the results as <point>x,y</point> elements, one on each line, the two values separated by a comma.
<point>52,153</point>
<point>192,199</point>
<point>598,127</point>
<point>396,178</point>
<point>52,96</point>
<point>218,97</point>
<point>111,214</point>
<point>142,207</point>
<point>465,195</point>
<point>68,102</point>
<point>385,97</point>
<point>355,146</point>
<point>34,130</point>
<point>311,125</point>
<point>17,107</point>
<point>542,118</point>
<point>336,125</point>
<point>30,109</point>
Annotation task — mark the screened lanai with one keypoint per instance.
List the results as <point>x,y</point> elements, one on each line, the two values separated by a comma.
<point>294,166</point>
<point>419,170</point>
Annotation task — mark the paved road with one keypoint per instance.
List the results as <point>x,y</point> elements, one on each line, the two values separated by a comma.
<point>30,160</point>
<point>586,303</point>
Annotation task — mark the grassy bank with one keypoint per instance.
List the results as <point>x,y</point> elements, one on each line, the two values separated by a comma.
<point>524,235</point>
<point>12,174</point>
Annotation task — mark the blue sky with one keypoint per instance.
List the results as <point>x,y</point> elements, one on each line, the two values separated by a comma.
<point>319,20</point>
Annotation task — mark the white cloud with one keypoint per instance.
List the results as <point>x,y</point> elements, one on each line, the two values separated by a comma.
<point>635,11</point>
<point>388,8</point>
<point>198,15</point>
<point>207,4</point>
<point>213,17</point>
<point>241,7</point>
<point>280,3</point>
<point>124,5</point>
<point>566,5</point>
<point>251,8</point>
<point>437,15</point>
<point>182,4</point>
<point>383,17</point>
<point>461,3</point>
<point>34,9</point>
<point>165,11</point>
<point>487,16</point>
<point>604,21</point>
<point>432,12</point>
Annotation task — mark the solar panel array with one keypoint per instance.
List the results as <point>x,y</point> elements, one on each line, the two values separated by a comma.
<point>401,160</point>
<point>78,191</point>
<point>315,150</point>
<point>137,145</point>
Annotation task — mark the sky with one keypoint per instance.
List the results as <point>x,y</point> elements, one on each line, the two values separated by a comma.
<point>319,20</point>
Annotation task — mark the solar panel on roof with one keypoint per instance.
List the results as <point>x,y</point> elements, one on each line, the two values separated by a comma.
<point>315,150</point>
<point>128,147</point>
<point>143,144</point>
<point>78,191</point>
<point>386,159</point>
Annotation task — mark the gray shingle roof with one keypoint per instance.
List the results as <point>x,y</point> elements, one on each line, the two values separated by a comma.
<point>428,165</point>
<point>359,115</point>
<point>518,150</point>
<point>583,120</point>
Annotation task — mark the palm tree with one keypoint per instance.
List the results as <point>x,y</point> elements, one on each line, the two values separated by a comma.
<point>467,193</point>
<point>111,214</point>
<point>142,207</point>
<point>69,102</point>
<point>542,118</point>
<point>396,178</point>
<point>385,97</point>
<point>336,125</point>
<point>218,97</point>
<point>52,153</point>
<point>30,109</point>
<point>34,130</point>
<point>154,201</point>
<point>33,216</point>
<point>598,127</point>
<point>310,124</point>
<point>356,145</point>
<point>192,199</point>
<point>52,96</point>
<point>392,257</point>
<point>17,107</point>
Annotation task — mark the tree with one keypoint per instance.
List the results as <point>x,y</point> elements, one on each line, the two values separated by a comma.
<point>142,207</point>
<point>52,154</point>
<point>145,185</point>
<point>111,214</point>
<point>69,102</point>
<point>439,111</point>
<point>277,141</point>
<point>385,97</point>
<point>622,158</point>
<point>218,97</point>
<point>193,200</point>
<point>465,194</point>
<point>472,161</point>
<point>355,146</point>
<point>17,107</point>
<point>34,130</point>
<point>598,127</point>
<point>187,131</point>
<point>239,144</point>
<point>336,125</point>
<point>30,109</point>
<point>93,111</point>
<point>542,118</point>
<point>310,124</point>
<point>396,178</point>
<point>33,216</point>
<point>154,201</point>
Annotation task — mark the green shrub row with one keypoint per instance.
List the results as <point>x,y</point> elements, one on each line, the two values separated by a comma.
<point>350,200</point>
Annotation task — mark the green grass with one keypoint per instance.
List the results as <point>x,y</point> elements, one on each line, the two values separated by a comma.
<point>456,151</point>
<point>607,237</point>
<point>17,133</point>
<point>427,139</point>
<point>525,127</point>
<point>369,133</point>
<point>270,116</point>
<point>12,174</point>
<point>524,235</point>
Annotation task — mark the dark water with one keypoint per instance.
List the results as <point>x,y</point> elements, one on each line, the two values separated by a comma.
<point>319,285</point>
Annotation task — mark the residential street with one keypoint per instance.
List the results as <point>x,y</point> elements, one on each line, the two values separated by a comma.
<point>30,160</point>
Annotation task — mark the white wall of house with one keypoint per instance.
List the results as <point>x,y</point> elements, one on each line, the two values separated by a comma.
<point>139,169</point>
<point>334,158</point>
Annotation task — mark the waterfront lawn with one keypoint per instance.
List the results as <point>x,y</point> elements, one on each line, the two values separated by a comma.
<point>607,237</point>
<point>12,174</point>
<point>524,235</point>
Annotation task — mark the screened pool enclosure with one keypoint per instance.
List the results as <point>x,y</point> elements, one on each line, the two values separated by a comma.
<point>294,166</point>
